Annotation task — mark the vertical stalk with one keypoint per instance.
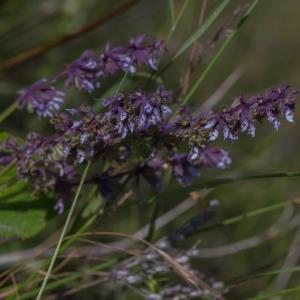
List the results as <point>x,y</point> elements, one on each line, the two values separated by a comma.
<point>64,231</point>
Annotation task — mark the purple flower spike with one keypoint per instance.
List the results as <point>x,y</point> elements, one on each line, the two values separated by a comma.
<point>84,72</point>
<point>41,98</point>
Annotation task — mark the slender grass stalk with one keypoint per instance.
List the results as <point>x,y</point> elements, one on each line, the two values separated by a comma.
<point>156,74</point>
<point>69,279</point>
<point>200,30</point>
<point>245,216</point>
<point>276,272</point>
<point>222,181</point>
<point>172,11</point>
<point>63,231</point>
<point>8,111</point>
<point>121,83</point>
<point>174,26</point>
<point>255,213</point>
<point>282,292</point>
<point>155,214</point>
<point>218,55</point>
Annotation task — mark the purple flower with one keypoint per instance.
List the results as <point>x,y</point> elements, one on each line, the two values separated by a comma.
<point>150,109</point>
<point>134,129</point>
<point>183,168</point>
<point>114,59</point>
<point>241,117</point>
<point>145,51</point>
<point>215,158</point>
<point>41,98</point>
<point>84,72</point>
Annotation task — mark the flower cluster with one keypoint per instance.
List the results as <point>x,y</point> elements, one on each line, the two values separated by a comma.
<point>85,72</point>
<point>43,99</point>
<point>137,133</point>
<point>238,118</point>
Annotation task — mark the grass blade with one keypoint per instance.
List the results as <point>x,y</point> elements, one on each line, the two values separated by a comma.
<point>8,111</point>
<point>182,191</point>
<point>201,29</point>
<point>184,6</point>
<point>64,231</point>
<point>270,295</point>
<point>172,12</point>
<point>218,54</point>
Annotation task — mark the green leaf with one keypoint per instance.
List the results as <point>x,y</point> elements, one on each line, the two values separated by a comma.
<point>7,175</point>
<point>8,111</point>
<point>24,216</point>
<point>16,188</point>
<point>201,29</point>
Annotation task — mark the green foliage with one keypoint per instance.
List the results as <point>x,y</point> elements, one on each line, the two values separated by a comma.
<point>23,215</point>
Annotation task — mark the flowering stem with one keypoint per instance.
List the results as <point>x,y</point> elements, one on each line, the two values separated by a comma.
<point>63,231</point>
<point>8,111</point>
<point>218,54</point>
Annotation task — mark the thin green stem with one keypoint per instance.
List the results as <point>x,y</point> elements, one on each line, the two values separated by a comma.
<point>177,20</point>
<point>218,55</point>
<point>69,279</point>
<point>282,292</point>
<point>121,83</point>
<point>174,25</point>
<point>63,231</point>
<point>8,111</point>
<point>172,11</point>
<point>245,216</point>
<point>155,213</point>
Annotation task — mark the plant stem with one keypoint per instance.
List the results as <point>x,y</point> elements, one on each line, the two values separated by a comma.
<point>177,20</point>
<point>155,213</point>
<point>218,54</point>
<point>63,231</point>
<point>121,83</point>
<point>8,111</point>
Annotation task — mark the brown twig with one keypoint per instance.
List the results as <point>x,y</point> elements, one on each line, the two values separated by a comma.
<point>37,51</point>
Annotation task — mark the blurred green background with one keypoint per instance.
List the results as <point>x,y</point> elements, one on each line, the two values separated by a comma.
<point>266,49</point>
